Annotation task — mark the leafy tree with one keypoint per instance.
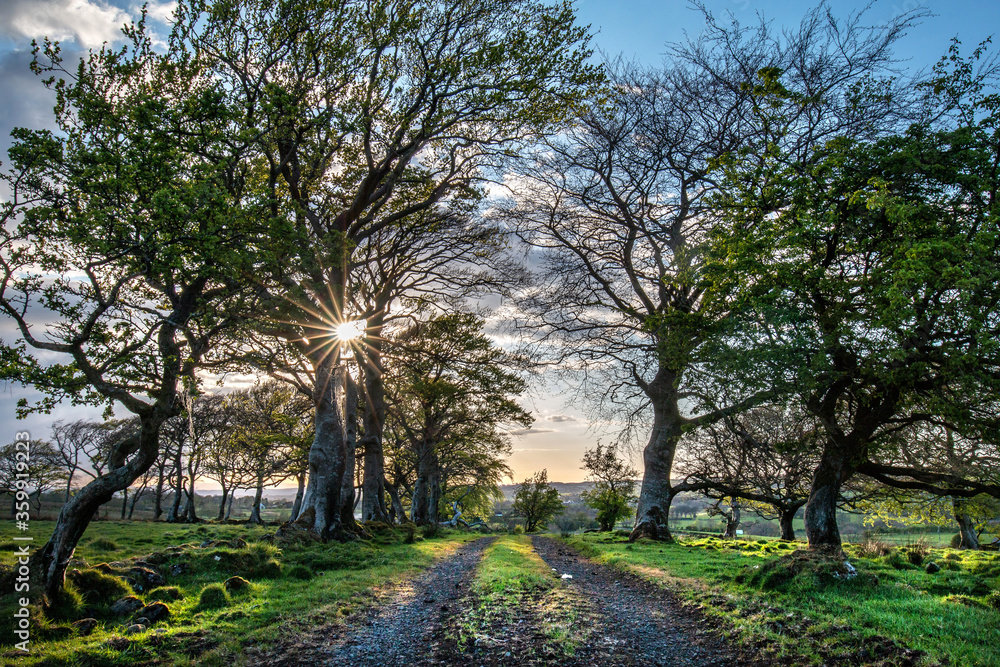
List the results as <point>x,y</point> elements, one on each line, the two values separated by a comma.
<point>131,233</point>
<point>614,485</point>
<point>267,423</point>
<point>373,115</point>
<point>537,501</point>
<point>453,394</point>
<point>619,208</point>
<point>869,275</point>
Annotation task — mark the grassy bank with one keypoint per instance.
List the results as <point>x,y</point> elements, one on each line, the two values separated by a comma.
<point>288,587</point>
<point>786,605</point>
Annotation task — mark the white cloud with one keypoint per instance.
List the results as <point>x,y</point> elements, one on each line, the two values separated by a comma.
<point>532,431</point>
<point>161,11</point>
<point>88,22</point>
<point>561,418</point>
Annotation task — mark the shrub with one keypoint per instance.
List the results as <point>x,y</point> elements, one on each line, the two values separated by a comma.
<point>956,541</point>
<point>104,544</point>
<point>518,529</point>
<point>410,533</point>
<point>916,553</point>
<point>872,549</point>
<point>431,530</point>
<point>237,585</point>
<point>213,596</point>
<point>165,594</point>
<point>98,587</point>
<point>300,572</point>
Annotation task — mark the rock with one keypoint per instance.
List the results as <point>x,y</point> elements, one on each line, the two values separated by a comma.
<point>119,643</point>
<point>932,568</point>
<point>126,606</point>
<point>206,543</point>
<point>154,612</point>
<point>143,579</point>
<point>176,549</point>
<point>105,568</point>
<point>178,569</point>
<point>85,626</point>
<point>135,629</point>
<point>236,584</point>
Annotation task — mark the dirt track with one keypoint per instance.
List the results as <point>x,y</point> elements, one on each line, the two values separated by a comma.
<point>614,620</point>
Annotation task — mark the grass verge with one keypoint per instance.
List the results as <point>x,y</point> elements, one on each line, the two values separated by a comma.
<point>226,591</point>
<point>789,607</point>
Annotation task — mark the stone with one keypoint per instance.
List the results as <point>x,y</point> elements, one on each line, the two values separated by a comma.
<point>143,579</point>
<point>135,629</point>
<point>932,568</point>
<point>85,626</point>
<point>127,605</point>
<point>178,569</point>
<point>154,612</point>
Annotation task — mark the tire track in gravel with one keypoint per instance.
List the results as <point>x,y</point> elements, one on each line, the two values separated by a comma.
<point>635,622</point>
<point>398,633</point>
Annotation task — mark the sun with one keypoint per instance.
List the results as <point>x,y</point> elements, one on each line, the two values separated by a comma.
<point>348,331</point>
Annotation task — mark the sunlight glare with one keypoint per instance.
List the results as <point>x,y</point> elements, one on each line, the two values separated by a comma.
<point>347,331</point>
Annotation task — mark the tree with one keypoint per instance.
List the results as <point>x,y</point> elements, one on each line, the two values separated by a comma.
<point>614,485</point>
<point>369,115</point>
<point>267,424</point>
<point>453,392</point>
<point>869,276</point>
<point>31,464</point>
<point>131,233</point>
<point>620,210</point>
<point>763,458</point>
<point>927,450</point>
<point>537,501</point>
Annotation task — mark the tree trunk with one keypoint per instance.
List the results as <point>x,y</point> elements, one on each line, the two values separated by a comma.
<point>158,503</point>
<point>188,514</point>
<point>373,506</point>
<point>966,526</point>
<point>51,560</point>
<point>732,521</point>
<point>175,508</point>
<point>427,488</point>
<point>785,521</point>
<point>653,511</point>
<point>297,505</point>
<point>229,509</point>
<point>821,509</point>
<point>397,504</point>
<point>222,505</point>
<point>321,506</point>
<point>124,502</point>
<point>255,511</point>
<point>135,499</point>
<point>350,455</point>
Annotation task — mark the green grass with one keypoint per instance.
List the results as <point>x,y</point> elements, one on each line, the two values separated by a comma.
<point>514,591</point>
<point>274,606</point>
<point>803,613</point>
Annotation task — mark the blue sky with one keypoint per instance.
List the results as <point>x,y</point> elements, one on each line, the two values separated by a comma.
<point>639,30</point>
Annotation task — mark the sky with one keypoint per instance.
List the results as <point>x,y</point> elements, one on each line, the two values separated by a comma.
<point>639,31</point>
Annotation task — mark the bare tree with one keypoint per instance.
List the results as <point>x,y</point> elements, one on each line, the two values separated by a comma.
<point>619,210</point>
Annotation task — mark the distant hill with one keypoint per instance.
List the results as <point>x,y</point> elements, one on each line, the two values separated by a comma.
<point>571,489</point>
